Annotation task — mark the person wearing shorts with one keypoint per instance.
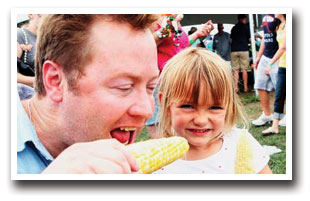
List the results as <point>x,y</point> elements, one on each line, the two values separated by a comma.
<point>240,36</point>
<point>264,84</point>
<point>240,61</point>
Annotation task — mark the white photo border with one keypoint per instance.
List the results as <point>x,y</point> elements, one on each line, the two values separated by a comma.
<point>113,10</point>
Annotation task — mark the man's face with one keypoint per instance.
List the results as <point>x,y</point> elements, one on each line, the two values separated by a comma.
<point>35,18</point>
<point>114,96</point>
<point>220,28</point>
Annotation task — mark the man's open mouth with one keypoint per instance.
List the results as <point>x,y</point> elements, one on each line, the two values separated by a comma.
<point>125,135</point>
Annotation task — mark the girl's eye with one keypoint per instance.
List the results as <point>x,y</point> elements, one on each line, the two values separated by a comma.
<point>215,107</point>
<point>186,106</point>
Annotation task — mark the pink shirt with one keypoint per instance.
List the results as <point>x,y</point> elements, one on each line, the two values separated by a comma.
<point>166,49</point>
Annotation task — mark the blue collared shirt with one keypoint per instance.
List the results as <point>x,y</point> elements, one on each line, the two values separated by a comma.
<point>32,156</point>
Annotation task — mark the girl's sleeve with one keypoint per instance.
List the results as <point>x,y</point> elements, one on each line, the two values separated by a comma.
<point>260,157</point>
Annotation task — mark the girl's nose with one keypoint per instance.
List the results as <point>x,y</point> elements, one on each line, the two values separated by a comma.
<point>201,119</point>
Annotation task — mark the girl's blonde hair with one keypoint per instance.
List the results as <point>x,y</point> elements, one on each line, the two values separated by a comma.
<point>198,74</point>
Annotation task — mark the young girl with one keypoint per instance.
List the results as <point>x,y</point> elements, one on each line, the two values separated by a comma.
<point>198,102</point>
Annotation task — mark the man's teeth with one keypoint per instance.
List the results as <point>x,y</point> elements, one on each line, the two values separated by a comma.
<point>127,129</point>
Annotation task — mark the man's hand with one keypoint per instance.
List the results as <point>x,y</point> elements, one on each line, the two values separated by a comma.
<point>98,157</point>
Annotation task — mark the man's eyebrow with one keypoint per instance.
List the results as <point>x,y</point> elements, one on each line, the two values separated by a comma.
<point>132,76</point>
<point>154,78</point>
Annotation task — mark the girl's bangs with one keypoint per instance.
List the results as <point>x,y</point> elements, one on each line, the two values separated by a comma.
<point>200,86</point>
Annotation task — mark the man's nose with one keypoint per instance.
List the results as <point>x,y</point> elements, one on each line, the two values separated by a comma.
<point>143,105</point>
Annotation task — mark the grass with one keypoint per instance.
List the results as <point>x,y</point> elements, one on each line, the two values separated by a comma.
<point>253,110</point>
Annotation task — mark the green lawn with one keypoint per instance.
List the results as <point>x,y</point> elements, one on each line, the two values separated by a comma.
<point>253,110</point>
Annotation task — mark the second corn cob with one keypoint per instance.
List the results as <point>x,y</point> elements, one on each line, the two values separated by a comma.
<point>156,153</point>
<point>244,159</point>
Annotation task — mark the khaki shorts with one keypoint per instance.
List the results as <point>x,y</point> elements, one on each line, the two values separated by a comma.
<point>240,60</point>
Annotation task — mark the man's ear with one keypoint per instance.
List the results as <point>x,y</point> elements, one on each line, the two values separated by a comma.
<point>53,80</point>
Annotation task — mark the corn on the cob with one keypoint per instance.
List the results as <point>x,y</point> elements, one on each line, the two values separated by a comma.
<point>156,153</point>
<point>244,159</point>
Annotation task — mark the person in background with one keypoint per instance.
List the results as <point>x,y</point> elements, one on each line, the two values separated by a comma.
<point>265,84</point>
<point>169,43</point>
<point>240,37</point>
<point>199,41</point>
<point>222,43</point>
<point>26,47</point>
<point>281,77</point>
<point>92,95</point>
<point>208,43</point>
<point>198,102</point>
<point>190,32</point>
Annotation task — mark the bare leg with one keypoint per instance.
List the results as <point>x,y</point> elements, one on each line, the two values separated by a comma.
<point>245,80</point>
<point>275,125</point>
<point>236,80</point>
<point>264,101</point>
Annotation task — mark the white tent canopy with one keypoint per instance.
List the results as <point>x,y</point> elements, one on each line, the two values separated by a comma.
<point>22,18</point>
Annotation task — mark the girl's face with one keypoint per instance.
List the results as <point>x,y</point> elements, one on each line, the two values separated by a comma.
<point>199,124</point>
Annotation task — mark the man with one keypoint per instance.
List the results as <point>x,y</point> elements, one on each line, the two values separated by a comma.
<point>92,94</point>
<point>222,43</point>
<point>240,36</point>
<point>266,83</point>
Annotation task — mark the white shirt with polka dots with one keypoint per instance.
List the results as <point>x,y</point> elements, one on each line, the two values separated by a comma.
<point>223,162</point>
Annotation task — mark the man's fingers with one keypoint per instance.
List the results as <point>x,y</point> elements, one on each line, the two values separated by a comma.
<point>127,158</point>
<point>116,152</point>
<point>101,156</point>
<point>105,166</point>
<point>131,159</point>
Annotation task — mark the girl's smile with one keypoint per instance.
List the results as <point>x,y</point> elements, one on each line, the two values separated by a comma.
<point>199,132</point>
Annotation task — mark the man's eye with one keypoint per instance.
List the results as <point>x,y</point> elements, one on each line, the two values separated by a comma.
<point>152,87</point>
<point>125,88</point>
<point>215,107</point>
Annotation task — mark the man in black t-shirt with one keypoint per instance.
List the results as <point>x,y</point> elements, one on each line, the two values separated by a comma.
<point>240,36</point>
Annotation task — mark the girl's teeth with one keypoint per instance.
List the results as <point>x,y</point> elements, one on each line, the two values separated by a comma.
<point>200,131</point>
